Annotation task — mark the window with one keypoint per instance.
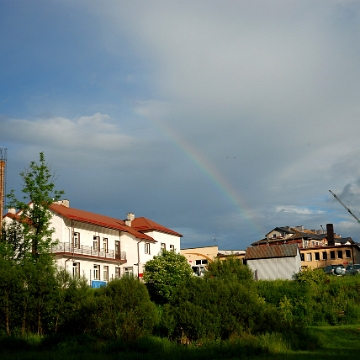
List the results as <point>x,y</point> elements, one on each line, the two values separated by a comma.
<point>128,271</point>
<point>308,257</point>
<point>172,248</point>
<point>76,240</point>
<point>105,245</point>
<point>332,255</point>
<point>117,250</point>
<point>201,262</point>
<point>76,270</point>
<point>347,253</point>
<point>302,257</point>
<point>317,256</point>
<point>105,273</point>
<point>96,243</point>
<point>117,273</point>
<point>96,272</point>
<point>324,255</point>
<point>340,254</point>
<point>147,248</point>
<point>163,246</point>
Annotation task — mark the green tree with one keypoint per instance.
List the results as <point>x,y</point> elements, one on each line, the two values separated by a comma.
<point>229,269</point>
<point>30,291</point>
<point>38,194</point>
<point>121,310</point>
<point>163,273</point>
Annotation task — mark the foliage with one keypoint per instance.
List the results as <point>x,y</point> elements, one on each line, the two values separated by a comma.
<point>29,290</point>
<point>212,308</point>
<point>164,273</point>
<point>38,194</point>
<point>12,245</point>
<point>122,310</point>
<point>311,275</point>
<point>314,300</point>
<point>229,269</point>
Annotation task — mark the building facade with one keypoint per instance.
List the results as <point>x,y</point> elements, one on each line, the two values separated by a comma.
<point>102,248</point>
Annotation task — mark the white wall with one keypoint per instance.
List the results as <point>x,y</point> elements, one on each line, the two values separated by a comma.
<point>133,247</point>
<point>275,268</point>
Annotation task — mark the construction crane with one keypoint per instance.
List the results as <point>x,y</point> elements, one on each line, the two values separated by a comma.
<point>347,209</point>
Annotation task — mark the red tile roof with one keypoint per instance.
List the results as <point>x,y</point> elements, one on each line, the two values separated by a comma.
<point>96,219</point>
<point>143,224</point>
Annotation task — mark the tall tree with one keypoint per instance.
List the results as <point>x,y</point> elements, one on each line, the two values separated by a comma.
<point>38,194</point>
<point>163,273</point>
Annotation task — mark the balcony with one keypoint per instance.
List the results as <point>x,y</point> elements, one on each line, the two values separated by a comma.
<point>84,251</point>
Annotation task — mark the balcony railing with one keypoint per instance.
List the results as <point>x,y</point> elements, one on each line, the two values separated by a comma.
<point>87,250</point>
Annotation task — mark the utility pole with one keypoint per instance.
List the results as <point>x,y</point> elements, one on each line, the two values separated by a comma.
<point>2,182</point>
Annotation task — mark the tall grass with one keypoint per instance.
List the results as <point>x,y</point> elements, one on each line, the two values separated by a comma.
<point>240,346</point>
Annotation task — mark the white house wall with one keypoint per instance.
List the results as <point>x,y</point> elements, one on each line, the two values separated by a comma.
<point>155,248</point>
<point>275,268</point>
<point>131,246</point>
<point>163,238</point>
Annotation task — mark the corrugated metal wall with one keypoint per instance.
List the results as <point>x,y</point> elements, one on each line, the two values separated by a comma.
<point>275,268</point>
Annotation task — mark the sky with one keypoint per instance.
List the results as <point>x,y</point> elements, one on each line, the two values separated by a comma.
<point>218,119</point>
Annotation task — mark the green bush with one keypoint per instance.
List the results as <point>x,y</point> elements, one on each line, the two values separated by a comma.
<point>122,310</point>
<point>213,308</point>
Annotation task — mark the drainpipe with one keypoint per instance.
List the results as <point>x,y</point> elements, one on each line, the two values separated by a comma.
<point>138,263</point>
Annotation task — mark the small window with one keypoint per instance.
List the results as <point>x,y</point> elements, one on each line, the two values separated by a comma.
<point>317,256</point>
<point>147,248</point>
<point>105,245</point>
<point>308,257</point>
<point>163,246</point>
<point>332,255</point>
<point>302,257</point>
<point>106,273</point>
<point>340,254</point>
<point>96,272</point>
<point>324,255</point>
<point>76,240</point>
<point>76,270</point>
<point>96,243</point>
<point>172,248</point>
<point>128,271</point>
<point>347,253</point>
<point>117,273</point>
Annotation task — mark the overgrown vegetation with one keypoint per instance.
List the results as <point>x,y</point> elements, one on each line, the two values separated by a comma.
<point>221,315</point>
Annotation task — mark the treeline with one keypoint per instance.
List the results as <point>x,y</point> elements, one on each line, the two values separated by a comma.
<point>37,298</point>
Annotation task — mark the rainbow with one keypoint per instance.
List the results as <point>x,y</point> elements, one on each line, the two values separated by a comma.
<point>212,173</point>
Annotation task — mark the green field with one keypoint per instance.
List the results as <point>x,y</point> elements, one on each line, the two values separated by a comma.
<point>329,342</point>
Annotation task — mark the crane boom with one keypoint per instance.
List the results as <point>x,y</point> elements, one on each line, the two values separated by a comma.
<point>347,209</point>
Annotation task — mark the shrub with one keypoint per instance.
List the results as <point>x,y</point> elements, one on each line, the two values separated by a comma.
<point>122,310</point>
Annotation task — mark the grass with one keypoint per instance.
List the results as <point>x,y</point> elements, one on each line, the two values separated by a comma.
<point>326,342</point>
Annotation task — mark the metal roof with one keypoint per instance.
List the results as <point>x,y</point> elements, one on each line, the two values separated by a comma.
<point>273,251</point>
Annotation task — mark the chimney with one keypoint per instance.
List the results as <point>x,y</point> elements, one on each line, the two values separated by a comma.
<point>64,202</point>
<point>129,218</point>
<point>12,211</point>
<point>330,234</point>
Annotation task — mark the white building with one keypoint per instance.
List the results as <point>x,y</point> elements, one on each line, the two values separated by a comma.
<point>102,248</point>
<point>274,262</point>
